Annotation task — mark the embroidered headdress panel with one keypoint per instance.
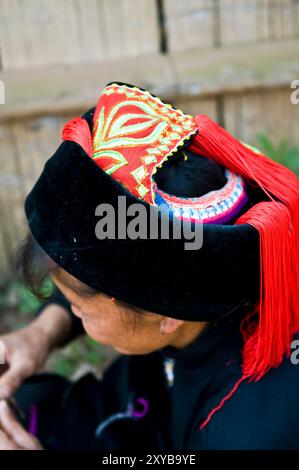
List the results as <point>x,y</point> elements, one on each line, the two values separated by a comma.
<point>134,132</point>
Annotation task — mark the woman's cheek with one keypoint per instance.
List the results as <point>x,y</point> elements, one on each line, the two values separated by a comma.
<point>100,331</point>
<point>93,329</point>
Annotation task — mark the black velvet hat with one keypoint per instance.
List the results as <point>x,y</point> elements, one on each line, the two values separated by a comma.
<point>94,165</point>
<point>249,227</point>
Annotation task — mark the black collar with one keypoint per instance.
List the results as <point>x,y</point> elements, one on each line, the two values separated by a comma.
<point>211,343</point>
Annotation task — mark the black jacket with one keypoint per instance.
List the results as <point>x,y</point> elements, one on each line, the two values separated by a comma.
<point>259,415</point>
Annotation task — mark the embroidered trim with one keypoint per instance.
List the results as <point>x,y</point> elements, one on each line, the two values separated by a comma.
<point>214,207</point>
<point>136,130</point>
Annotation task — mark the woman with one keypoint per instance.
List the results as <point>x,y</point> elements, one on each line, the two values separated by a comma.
<point>204,331</point>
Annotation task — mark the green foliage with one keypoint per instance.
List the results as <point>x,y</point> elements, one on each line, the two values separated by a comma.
<point>82,351</point>
<point>27,303</point>
<point>283,152</point>
<point>19,298</point>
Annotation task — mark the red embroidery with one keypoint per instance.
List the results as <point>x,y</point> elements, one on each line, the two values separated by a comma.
<point>134,132</point>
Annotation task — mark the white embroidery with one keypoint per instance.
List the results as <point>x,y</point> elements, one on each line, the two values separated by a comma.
<point>169,370</point>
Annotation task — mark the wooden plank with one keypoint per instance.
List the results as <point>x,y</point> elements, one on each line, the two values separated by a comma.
<point>295,15</point>
<point>269,112</point>
<point>257,20</point>
<point>11,199</point>
<point>288,13</point>
<point>35,141</point>
<point>198,106</point>
<point>112,21</point>
<point>141,27</point>
<point>283,117</point>
<point>56,90</point>
<point>233,69</point>
<point>24,148</point>
<point>274,19</point>
<point>277,19</point>
<point>233,115</point>
<point>77,87</point>
<point>190,24</point>
<point>130,26</point>
<point>262,20</point>
<point>238,21</point>
<point>11,50</point>
<point>37,32</point>
<point>91,32</point>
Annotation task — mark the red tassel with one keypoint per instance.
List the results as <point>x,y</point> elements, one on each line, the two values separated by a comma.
<point>278,308</point>
<point>77,130</point>
<point>267,339</point>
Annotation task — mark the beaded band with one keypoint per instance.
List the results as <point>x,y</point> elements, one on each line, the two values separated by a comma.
<point>215,207</point>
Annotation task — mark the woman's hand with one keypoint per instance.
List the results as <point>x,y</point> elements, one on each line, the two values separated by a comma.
<point>27,350</point>
<point>12,435</point>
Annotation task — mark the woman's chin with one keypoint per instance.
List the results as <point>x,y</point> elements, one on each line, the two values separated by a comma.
<point>131,352</point>
<point>122,351</point>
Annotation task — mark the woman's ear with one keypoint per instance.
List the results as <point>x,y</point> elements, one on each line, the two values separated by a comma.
<point>169,325</point>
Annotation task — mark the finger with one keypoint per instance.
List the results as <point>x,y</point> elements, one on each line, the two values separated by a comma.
<point>12,379</point>
<point>14,430</point>
<point>9,383</point>
<point>6,443</point>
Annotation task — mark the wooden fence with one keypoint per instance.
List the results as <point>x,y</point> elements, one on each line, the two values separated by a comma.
<point>231,59</point>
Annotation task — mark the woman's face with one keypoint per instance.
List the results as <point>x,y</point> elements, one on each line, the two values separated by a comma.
<point>112,323</point>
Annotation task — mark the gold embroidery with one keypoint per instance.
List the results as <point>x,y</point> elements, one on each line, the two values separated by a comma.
<point>142,121</point>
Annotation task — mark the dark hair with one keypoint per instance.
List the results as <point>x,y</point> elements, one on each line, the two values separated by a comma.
<point>35,266</point>
<point>187,174</point>
<point>184,175</point>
